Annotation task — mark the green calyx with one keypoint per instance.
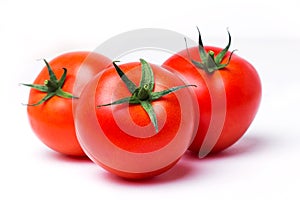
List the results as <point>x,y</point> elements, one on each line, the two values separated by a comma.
<point>53,86</point>
<point>143,94</point>
<point>209,61</point>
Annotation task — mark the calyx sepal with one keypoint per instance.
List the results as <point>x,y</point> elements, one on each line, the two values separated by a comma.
<point>209,61</point>
<point>53,86</point>
<point>143,94</point>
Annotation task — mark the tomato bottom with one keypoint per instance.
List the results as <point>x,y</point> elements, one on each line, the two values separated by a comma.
<point>136,176</point>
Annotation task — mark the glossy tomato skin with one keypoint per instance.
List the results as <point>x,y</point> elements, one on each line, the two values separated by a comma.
<point>121,138</point>
<point>52,121</point>
<point>237,87</point>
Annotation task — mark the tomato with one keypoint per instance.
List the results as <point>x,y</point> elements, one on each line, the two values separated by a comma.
<point>123,138</point>
<point>52,119</point>
<point>228,95</point>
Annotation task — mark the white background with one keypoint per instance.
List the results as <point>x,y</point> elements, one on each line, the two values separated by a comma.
<point>264,164</point>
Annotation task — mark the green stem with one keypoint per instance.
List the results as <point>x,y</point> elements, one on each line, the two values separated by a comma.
<point>52,87</point>
<point>209,61</point>
<point>143,94</point>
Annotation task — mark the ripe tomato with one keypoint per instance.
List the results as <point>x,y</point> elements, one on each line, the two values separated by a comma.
<point>228,97</point>
<point>52,119</point>
<point>121,137</point>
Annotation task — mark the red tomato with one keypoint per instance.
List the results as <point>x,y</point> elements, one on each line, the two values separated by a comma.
<point>121,138</point>
<point>52,121</point>
<point>228,98</point>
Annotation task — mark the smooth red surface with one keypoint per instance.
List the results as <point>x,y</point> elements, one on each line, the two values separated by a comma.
<point>238,83</point>
<point>53,120</point>
<point>121,138</point>
<point>137,114</point>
